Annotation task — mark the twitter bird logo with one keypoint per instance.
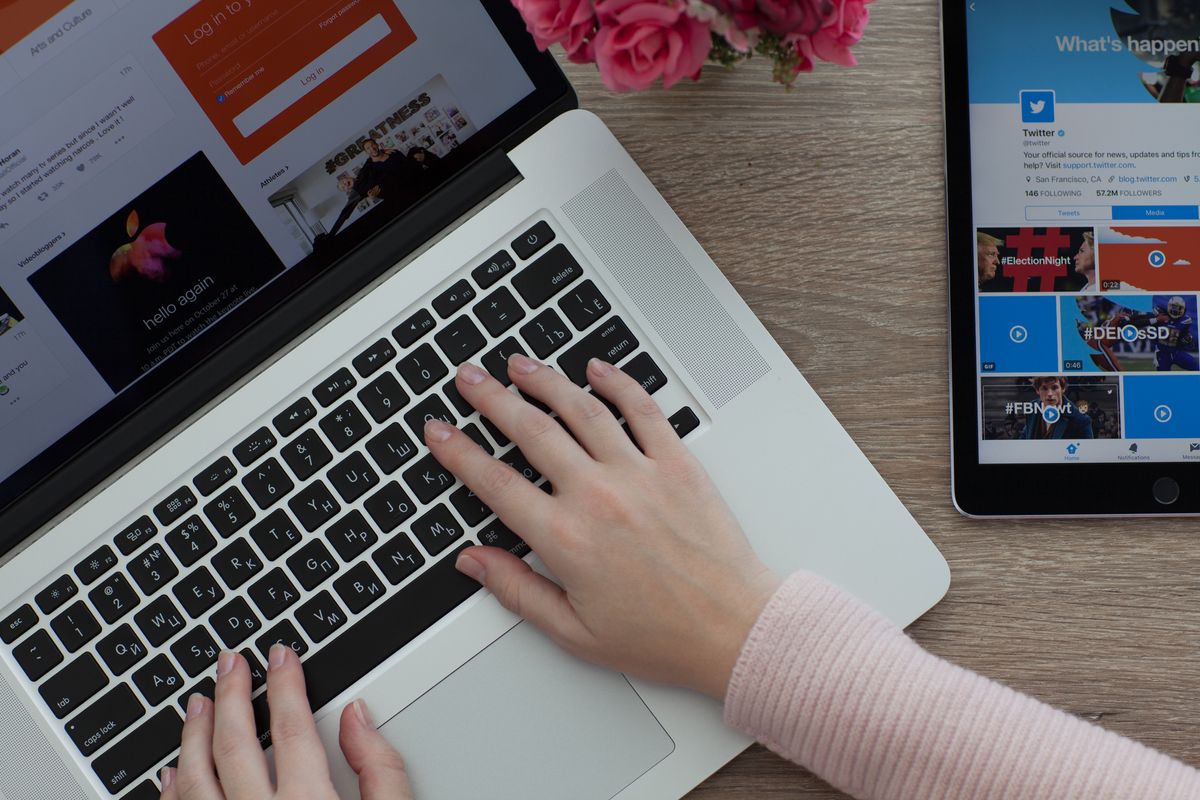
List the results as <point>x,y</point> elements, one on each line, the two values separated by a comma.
<point>1037,105</point>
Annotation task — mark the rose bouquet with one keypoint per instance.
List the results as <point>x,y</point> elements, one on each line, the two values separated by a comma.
<point>636,42</point>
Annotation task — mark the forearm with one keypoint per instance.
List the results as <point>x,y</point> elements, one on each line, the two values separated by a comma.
<point>826,681</point>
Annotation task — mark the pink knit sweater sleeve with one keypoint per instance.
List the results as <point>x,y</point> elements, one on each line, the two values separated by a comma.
<point>828,682</point>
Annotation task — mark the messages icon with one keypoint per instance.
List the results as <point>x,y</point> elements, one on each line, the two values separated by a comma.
<point>1037,105</point>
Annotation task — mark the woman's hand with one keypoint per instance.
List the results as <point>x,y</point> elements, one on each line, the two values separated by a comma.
<point>221,758</point>
<point>657,578</point>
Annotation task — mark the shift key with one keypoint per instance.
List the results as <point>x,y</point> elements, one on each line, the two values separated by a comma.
<point>105,719</point>
<point>611,342</point>
<point>130,759</point>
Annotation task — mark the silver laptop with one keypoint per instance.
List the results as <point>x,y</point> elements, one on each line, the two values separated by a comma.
<point>244,247</point>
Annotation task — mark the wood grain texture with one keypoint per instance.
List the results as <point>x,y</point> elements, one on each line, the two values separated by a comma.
<point>825,208</point>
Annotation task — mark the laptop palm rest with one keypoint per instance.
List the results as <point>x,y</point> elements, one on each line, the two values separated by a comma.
<point>525,721</point>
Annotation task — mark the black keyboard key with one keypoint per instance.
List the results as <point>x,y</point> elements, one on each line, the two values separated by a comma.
<point>428,479</point>
<point>395,622</point>
<point>333,387</point>
<point>422,369</point>
<point>274,593</point>
<point>345,426</point>
<point>267,483</point>
<point>469,506</point>
<point>391,449</point>
<point>206,688</point>
<point>258,673</point>
<point>18,624</point>
<point>494,269</point>
<point>533,240</point>
<point>312,564</point>
<point>152,569</point>
<point>351,536</point>
<point>414,328</point>
<point>314,506</point>
<point>37,655</point>
<point>477,436</point>
<point>353,477</point>
<point>374,358</point>
<point>158,680</point>
<point>546,333</point>
<point>262,718</point>
<point>284,633</point>
<point>389,507</point>
<point>516,459</point>
<point>497,534</point>
<point>140,751</point>
<point>255,446</point>
<point>643,370</point>
<point>684,421</point>
<point>495,361</point>
<point>276,534</point>
<point>360,587</point>
<point>235,622</point>
<point>321,617</point>
<point>306,455</point>
<point>497,436</point>
<point>217,475</point>
<point>91,568</point>
<point>437,529</point>
<point>175,506</point>
<point>114,598</point>
<point>74,685</point>
<point>147,790</point>
<point>384,397</point>
<point>499,311</point>
<point>547,276</point>
<point>105,719</point>
<point>294,417</point>
<point>142,530</point>
<point>611,342</point>
<point>584,305</point>
<point>229,512</point>
<point>160,621</point>
<point>460,340</point>
<point>432,407</point>
<point>121,650</point>
<point>53,596</point>
<point>198,592</point>
<point>191,541</point>
<point>196,651</point>
<point>237,563</point>
<point>76,626</point>
<point>453,298</point>
<point>450,389</point>
<point>398,558</point>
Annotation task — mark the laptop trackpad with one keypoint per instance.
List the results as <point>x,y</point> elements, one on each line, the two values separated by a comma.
<point>525,721</point>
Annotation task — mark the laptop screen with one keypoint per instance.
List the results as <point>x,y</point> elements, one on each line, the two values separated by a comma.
<point>165,162</point>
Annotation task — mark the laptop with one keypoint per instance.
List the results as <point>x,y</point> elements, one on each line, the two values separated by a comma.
<point>245,245</point>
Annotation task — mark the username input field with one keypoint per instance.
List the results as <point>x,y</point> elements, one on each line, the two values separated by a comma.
<point>312,75</point>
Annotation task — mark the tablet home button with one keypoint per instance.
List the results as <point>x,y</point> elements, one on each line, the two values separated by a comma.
<point>1166,490</point>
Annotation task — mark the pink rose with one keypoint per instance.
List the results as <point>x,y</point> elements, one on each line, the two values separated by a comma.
<point>642,40</point>
<point>782,17</point>
<point>842,29</point>
<point>569,22</point>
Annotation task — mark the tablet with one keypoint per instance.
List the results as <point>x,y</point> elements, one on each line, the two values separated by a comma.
<point>1073,224</point>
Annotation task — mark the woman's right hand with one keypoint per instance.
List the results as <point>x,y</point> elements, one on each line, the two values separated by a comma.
<point>656,577</point>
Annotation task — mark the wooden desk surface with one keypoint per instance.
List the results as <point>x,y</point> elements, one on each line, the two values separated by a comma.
<point>824,207</point>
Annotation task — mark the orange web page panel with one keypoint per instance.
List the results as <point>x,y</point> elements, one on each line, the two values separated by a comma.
<point>19,18</point>
<point>260,68</point>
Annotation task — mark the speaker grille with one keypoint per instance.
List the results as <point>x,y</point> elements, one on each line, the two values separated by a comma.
<point>666,288</point>
<point>29,768</point>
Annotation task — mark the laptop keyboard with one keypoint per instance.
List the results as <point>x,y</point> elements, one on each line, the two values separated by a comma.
<point>330,528</point>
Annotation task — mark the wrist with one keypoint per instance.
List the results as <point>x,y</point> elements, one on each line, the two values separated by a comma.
<point>745,605</point>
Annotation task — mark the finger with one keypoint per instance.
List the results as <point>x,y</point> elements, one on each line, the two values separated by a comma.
<point>300,762</point>
<point>650,427</point>
<point>590,421</point>
<point>196,778</point>
<point>167,779</point>
<point>381,772</point>
<point>549,448</point>
<point>519,504</point>
<point>241,765</point>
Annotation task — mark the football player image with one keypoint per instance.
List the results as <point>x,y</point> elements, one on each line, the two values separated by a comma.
<point>1069,422</point>
<point>1178,349</point>
<point>1173,342</point>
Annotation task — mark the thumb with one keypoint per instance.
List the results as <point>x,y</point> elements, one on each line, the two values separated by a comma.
<point>524,592</point>
<point>380,769</point>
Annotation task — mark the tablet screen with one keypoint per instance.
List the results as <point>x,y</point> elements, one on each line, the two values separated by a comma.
<point>1085,159</point>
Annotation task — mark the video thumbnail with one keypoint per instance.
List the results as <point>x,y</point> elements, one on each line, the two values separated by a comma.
<point>157,273</point>
<point>1052,407</point>
<point>395,162</point>
<point>1036,260</point>
<point>10,315</point>
<point>1150,333</point>
<point>1150,259</point>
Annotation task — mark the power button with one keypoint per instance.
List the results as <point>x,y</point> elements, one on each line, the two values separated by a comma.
<point>1166,491</point>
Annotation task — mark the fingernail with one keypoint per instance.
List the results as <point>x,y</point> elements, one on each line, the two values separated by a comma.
<point>278,655</point>
<point>437,430</point>
<point>600,368</point>
<point>471,567</point>
<point>224,664</point>
<point>195,706</point>
<point>363,713</point>
<point>523,364</point>
<point>471,374</point>
<point>166,777</point>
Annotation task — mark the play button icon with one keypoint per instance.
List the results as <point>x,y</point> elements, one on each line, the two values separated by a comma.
<point>1018,334</point>
<point>1157,258</point>
<point>1051,414</point>
<point>1163,413</point>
